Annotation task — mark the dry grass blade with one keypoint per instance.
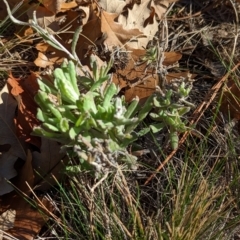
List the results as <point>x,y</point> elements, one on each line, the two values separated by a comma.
<point>190,221</point>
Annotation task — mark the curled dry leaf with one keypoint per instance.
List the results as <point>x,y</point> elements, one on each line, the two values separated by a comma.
<point>43,61</point>
<point>84,13</point>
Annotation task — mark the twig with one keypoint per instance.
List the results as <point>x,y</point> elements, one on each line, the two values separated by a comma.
<point>196,117</point>
<point>99,182</point>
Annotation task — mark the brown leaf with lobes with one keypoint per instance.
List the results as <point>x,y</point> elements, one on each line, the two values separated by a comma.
<point>114,32</point>
<point>24,91</point>
<point>11,148</point>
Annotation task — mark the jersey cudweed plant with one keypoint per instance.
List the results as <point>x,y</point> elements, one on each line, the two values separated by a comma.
<point>169,110</point>
<point>95,124</point>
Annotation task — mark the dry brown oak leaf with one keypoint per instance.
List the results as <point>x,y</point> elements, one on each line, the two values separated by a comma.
<point>8,137</point>
<point>142,18</point>
<point>24,91</point>
<point>114,33</point>
<point>111,6</point>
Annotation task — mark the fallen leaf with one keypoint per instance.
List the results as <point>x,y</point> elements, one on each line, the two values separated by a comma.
<point>142,90</point>
<point>27,220</point>
<point>47,162</point>
<point>43,61</point>
<point>45,18</point>
<point>138,79</point>
<point>26,176</point>
<point>7,220</point>
<point>75,19</point>
<point>84,13</point>
<point>48,55</point>
<point>8,136</point>
<point>16,89</point>
<point>136,16</point>
<point>52,5</point>
<point>161,6</point>
<point>65,6</point>
<point>113,31</point>
<point>142,18</point>
<point>90,33</point>
<point>230,104</point>
<point>171,76</point>
<point>111,6</point>
<point>24,91</point>
<point>171,57</point>
<point>42,46</point>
